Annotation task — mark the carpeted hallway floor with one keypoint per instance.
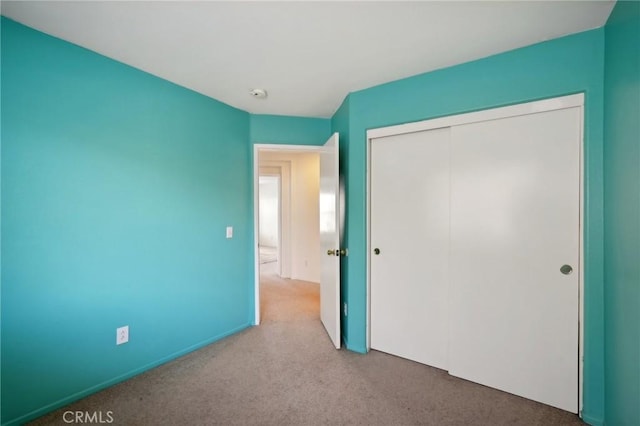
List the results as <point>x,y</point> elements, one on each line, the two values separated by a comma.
<point>286,372</point>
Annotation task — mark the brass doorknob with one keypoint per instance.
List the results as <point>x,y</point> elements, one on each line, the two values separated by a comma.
<point>376,251</point>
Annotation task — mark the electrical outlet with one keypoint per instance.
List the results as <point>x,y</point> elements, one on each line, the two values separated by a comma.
<point>122,335</point>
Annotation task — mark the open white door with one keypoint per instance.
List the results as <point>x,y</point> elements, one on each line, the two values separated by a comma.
<point>330,239</point>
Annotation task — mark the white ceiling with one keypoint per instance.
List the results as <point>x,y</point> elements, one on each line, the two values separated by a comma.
<point>307,55</point>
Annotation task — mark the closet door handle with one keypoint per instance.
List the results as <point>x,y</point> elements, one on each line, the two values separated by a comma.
<point>566,269</point>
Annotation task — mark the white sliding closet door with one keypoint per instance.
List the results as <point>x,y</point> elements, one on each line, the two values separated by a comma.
<point>514,224</point>
<point>410,233</point>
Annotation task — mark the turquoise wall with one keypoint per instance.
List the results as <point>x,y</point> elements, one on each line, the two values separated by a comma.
<point>622,214</point>
<point>280,129</point>
<point>558,67</point>
<point>117,187</point>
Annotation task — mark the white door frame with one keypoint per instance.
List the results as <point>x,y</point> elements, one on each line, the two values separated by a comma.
<point>570,101</point>
<point>283,149</point>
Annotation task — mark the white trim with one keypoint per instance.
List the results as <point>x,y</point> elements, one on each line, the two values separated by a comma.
<point>545,105</point>
<point>291,149</point>
<point>256,235</point>
<point>368,243</point>
<point>477,116</point>
<point>257,148</point>
<point>581,268</point>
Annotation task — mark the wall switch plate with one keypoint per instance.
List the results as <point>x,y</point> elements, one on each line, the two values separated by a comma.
<point>122,335</point>
<point>229,231</point>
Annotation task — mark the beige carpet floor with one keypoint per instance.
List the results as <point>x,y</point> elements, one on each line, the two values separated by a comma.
<point>286,372</point>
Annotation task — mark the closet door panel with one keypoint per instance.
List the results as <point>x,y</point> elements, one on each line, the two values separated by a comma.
<point>410,228</point>
<point>514,223</point>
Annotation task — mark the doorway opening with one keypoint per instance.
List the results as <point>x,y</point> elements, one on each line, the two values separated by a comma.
<point>286,218</point>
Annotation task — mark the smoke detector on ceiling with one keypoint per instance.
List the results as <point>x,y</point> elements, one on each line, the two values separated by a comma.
<point>258,93</point>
